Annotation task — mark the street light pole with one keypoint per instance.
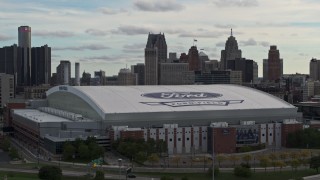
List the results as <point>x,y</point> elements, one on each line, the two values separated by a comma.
<point>119,161</point>
<point>212,153</point>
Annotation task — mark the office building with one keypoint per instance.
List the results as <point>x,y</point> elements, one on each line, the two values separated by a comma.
<point>126,77</point>
<point>100,77</point>
<point>64,73</point>
<point>176,74</point>
<point>41,65</point>
<point>273,66</point>
<point>219,77</point>
<point>85,79</point>
<point>155,53</point>
<point>231,52</point>
<point>245,66</point>
<point>77,74</point>
<point>6,88</point>
<point>193,59</point>
<point>211,65</point>
<point>24,55</point>
<point>315,69</point>
<point>139,69</point>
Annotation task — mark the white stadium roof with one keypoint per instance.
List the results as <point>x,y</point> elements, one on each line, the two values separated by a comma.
<point>137,106</point>
<point>141,99</point>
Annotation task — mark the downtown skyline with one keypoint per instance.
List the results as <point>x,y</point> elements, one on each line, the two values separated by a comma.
<point>111,35</point>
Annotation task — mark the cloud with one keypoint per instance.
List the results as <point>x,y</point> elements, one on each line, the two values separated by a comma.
<point>131,30</point>
<point>236,3</point>
<point>53,34</point>
<point>252,42</point>
<point>303,54</point>
<point>203,34</point>
<point>158,6</point>
<point>220,44</point>
<point>5,37</point>
<point>264,43</point>
<point>249,42</point>
<point>92,47</point>
<point>109,11</point>
<point>96,32</point>
<point>224,26</point>
<point>134,48</point>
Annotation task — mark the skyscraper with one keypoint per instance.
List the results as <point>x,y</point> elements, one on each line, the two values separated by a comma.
<point>231,52</point>
<point>193,59</point>
<point>274,65</point>
<point>315,69</point>
<point>24,55</point>
<point>41,65</point>
<point>155,53</point>
<point>6,88</point>
<point>139,70</point>
<point>64,73</point>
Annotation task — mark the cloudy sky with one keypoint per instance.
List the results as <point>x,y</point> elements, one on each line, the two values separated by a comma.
<point>111,34</point>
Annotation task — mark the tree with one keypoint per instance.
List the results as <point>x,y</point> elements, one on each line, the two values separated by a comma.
<point>294,155</point>
<point>280,164</point>
<point>99,175</point>
<point>5,145</point>
<point>273,157</point>
<point>153,158</point>
<point>220,158</point>
<point>68,151</point>
<point>315,163</point>
<point>84,152</point>
<point>50,173</point>
<point>295,163</point>
<point>234,159</point>
<point>264,162</point>
<point>140,157</point>
<point>284,156</point>
<point>13,153</point>
<point>242,171</point>
<point>176,159</point>
<point>247,158</point>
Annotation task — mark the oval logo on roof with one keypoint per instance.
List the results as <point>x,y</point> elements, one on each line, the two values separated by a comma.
<point>181,95</point>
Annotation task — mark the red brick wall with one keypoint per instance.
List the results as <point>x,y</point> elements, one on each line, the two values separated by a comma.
<point>131,134</point>
<point>225,140</point>
<point>286,129</point>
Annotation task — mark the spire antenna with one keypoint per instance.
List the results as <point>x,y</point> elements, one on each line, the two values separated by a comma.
<point>231,31</point>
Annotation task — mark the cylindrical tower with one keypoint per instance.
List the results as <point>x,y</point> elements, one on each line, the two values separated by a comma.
<point>77,74</point>
<point>24,43</point>
<point>24,36</point>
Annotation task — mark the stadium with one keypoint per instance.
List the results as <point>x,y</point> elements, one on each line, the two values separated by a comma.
<point>187,117</point>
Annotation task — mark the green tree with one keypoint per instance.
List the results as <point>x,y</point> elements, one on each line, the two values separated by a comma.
<point>84,152</point>
<point>284,155</point>
<point>140,157</point>
<point>280,164</point>
<point>68,151</point>
<point>99,175</point>
<point>166,178</point>
<point>50,173</point>
<point>247,158</point>
<point>264,162</point>
<point>13,153</point>
<point>273,157</point>
<point>233,158</point>
<point>5,145</point>
<point>295,163</point>
<point>315,163</point>
<point>242,171</point>
<point>220,158</point>
<point>153,158</point>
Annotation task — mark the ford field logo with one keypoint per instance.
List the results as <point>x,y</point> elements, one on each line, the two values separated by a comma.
<point>181,99</point>
<point>182,95</point>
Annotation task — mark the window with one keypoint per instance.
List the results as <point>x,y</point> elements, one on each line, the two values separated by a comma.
<point>170,140</point>
<point>179,139</point>
<point>270,134</point>
<point>187,139</point>
<point>204,138</point>
<point>262,134</point>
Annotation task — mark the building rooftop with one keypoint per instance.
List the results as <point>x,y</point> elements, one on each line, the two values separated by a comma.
<point>143,99</point>
<point>38,116</point>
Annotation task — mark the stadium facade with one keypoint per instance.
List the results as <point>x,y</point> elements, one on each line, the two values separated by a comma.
<point>190,118</point>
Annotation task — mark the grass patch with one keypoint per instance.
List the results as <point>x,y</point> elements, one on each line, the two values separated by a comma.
<point>29,176</point>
